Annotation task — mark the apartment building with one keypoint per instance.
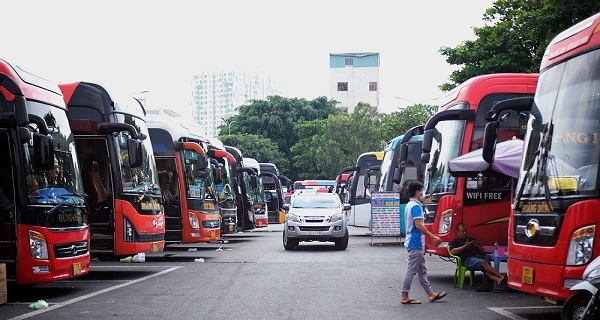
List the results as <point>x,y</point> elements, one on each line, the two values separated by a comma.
<point>354,78</point>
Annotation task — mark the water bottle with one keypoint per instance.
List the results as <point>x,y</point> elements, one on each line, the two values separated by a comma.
<point>496,248</point>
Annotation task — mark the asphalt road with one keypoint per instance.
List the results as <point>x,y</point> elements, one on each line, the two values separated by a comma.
<point>250,276</point>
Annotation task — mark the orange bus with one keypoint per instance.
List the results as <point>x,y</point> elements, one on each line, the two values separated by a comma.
<point>184,174</point>
<point>119,171</point>
<point>44,232</point>
<point>480,201</point>
<point>553,225</point>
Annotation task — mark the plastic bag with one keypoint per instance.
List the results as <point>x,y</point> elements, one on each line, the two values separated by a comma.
<point>40,304</point>
<point>139,258</point>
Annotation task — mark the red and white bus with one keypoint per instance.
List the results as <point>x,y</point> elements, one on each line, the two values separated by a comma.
<point>119,171</point>
<point>44,232</point>
<point>555,217</point>
<point>185,175</point>
<point>481,202</point>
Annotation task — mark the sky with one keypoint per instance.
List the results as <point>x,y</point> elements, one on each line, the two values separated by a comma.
<point>151,49</point>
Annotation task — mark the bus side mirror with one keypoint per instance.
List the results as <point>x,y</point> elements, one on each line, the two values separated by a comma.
<point>202,162</point>
<point>367,180</point>
<point>202,174</point>
<point>253,182</point>
<point>490,136</point>
<point>24,134</point>
<point>134,148</point>
<point>43,159</point>
<point>218,176</point>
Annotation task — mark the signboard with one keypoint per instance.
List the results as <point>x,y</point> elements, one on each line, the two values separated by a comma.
<point>385,214</point>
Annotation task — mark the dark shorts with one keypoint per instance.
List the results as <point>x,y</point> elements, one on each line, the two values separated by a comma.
<point>474,262</point>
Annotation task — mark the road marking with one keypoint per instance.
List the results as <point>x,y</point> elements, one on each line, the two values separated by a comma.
<point>510,315</point>
<point>68,302</point>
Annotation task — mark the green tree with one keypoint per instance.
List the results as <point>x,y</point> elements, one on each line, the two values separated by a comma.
<point>397,123</point>
<point>326,146</point>
<point>514,37</point>
<point>258,147</point>
<point>275,119</point>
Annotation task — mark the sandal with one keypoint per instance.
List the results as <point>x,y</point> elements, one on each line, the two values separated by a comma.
<point>411,301</point>
<point>438,296</point>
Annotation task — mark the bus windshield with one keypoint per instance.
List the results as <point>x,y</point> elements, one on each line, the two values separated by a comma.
<point>145,177</point>
<point>446,145</point>
<point>194,183</point>
<point>387,168</point>
<point>561,148</point>
<point>62,184</point>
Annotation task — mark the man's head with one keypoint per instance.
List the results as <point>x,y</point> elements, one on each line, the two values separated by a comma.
<point>461,230</point>
<point>414,187</point>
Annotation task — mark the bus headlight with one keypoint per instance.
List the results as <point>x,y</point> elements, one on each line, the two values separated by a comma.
<point>194,221</point>
<point>445,221</point>
<point>37,245</point>
<point>581,246</point>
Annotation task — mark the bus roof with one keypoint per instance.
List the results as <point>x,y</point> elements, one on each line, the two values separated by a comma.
<point>574,40</point>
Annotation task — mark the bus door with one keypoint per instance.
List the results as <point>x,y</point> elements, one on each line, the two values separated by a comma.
<point>97,185</point>
<point>168,182</point>
<point>7,201</point>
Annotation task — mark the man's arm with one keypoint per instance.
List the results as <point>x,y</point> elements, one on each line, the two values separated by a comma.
<point>421,227</point>
<point>458,250</point>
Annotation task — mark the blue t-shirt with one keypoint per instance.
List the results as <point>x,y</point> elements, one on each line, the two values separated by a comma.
<point>414,210</point>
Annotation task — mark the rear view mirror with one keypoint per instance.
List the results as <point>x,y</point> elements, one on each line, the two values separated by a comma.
<point>43,154</point>
<point>134,148</point>
<point>253,182</point>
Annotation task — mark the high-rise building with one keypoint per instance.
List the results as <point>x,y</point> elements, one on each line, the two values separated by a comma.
<point>217,93</point>
<point>354,78</point>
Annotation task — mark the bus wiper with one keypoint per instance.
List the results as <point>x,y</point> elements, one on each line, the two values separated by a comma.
<point>59,205</point>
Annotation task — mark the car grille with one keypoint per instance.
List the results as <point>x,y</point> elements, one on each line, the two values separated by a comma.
<point>314,228</point>
<point>69,250</point>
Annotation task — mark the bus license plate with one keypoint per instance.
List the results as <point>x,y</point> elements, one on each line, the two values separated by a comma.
<point>313,233</point>
<point>76,268</point>
<point>527,276</point>
<point>154,247</point>
<point>213,235</point>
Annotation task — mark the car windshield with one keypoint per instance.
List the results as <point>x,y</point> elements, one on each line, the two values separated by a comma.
<point>314,201</point>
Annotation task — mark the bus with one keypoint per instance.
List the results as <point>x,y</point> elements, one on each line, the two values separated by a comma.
<point>552,228</point>
<point>118,168</point>
<point>358,196</point>
<point>274,194</point>
<point>182,163</point>
<point>401,164</point>
<point>44,232</point>
<point>224,173</point>
<point>261,211</point>
<point>481,202</point>
<point>247,180</point>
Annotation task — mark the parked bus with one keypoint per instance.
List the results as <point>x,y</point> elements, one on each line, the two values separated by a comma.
<point>246,181</point>
<point>44,233</point>
<point>182,163</point>
<point>482,203</point>
<point>261,211</point>
<point>225,183</point>
<point>358,196</point>
<point>272,182</point>
<point>401,164</point>
<point>553,225</point>
<point>120,176</point>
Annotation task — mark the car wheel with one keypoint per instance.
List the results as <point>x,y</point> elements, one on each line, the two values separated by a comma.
<point>289,244</point>
<point>342,243</point>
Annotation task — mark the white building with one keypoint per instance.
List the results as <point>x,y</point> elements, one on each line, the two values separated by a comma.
<point>216,94</point>
<point>354,78</point>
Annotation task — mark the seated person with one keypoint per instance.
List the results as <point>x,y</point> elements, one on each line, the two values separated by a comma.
<point>472,254</point>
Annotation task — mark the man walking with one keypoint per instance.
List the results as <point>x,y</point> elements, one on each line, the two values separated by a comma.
<point>415,235</point>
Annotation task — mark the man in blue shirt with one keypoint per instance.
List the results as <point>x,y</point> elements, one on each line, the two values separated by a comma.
<point>415,245</point>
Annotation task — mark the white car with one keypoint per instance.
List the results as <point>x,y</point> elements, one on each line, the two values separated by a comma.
<point>314,216</point>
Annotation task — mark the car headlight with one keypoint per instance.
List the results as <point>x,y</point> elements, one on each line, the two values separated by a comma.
<point>292,217</point>
<point>336,217</point>
<point>37,245</point>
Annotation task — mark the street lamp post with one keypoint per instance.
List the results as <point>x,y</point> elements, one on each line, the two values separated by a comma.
<point>228,125</point>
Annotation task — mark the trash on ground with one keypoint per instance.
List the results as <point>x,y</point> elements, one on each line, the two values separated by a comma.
<point>219,249</point>
<point>193,249</point>
<point>139,258</point>
<point>40,304</point>
<point>126,260</point>
<point>198,260</point>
